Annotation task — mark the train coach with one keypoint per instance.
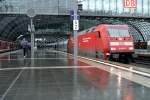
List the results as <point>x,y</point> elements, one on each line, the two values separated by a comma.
<point>7,46</point>
<point>105,42</point>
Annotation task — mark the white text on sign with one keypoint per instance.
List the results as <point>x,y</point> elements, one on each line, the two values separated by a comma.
<point>130,3</point>
<point>75,25</point>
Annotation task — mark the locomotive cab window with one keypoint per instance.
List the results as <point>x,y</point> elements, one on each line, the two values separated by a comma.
<point>92,30</point>
<point>118,33</point>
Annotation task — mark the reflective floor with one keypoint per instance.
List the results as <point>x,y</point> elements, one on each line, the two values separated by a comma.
<point>51,75</point>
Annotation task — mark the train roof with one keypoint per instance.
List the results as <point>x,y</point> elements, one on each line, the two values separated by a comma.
<point>87,30</point>
<point>92,29</point>
<point>107,25</point>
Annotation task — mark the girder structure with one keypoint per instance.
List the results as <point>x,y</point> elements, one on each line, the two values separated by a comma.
<point>14,26</point>
<point>63,7</point>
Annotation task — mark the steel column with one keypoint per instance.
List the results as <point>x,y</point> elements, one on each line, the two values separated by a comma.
<point>75,36</point>
<point>32,38</point>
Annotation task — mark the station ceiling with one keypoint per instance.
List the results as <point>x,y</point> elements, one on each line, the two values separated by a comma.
<point>15,25</point>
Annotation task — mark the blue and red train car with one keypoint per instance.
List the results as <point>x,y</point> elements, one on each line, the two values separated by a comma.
<point>105,42</point>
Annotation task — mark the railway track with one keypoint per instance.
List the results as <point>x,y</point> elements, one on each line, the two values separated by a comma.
<point>143,60</point>
<point>140,64</point>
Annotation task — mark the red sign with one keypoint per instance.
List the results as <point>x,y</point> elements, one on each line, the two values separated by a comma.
<point>130,3</point>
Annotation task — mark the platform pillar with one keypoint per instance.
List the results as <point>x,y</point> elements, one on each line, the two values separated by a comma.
<point>75,36</point>
<point>32,38</point>
<point>148,45</point>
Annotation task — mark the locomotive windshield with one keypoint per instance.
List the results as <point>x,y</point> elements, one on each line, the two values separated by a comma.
<point>118,33</point>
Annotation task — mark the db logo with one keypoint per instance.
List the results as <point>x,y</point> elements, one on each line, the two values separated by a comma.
<point>130,3</point>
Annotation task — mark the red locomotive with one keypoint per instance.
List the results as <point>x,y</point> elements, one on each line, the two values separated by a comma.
<point>105,42</point>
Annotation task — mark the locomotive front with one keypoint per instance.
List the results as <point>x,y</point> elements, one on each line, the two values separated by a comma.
<point>120,42</point>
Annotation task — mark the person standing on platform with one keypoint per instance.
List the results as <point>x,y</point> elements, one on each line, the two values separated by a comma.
<point>24,44</point>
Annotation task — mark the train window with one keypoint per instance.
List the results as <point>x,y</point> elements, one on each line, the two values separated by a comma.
<point>87,31</point>
<point>118,33</point>
<point>93,29</point>
<point>99,34</point>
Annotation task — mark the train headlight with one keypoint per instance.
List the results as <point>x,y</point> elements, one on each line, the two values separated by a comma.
<point>120,39</point>
<point>128,43</point>
<point>121,43</point>
<point>114,43</point>
<point>131,48</point>
<point>107,54</point>
<point>112,49</point>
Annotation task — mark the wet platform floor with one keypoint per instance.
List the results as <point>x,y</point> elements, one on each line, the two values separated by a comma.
<point>51,75</point>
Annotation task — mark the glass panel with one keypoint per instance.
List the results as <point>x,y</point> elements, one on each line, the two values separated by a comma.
<point>85,5</point>
<point>139,6</point>
<point>106,5</point>
<point>98,6</point>
<point>145,3</point>
<point>91,5</point>
<point>120,6</point>
<point>118,33</point>
<point>40,6</point>
<point>113,5</point>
